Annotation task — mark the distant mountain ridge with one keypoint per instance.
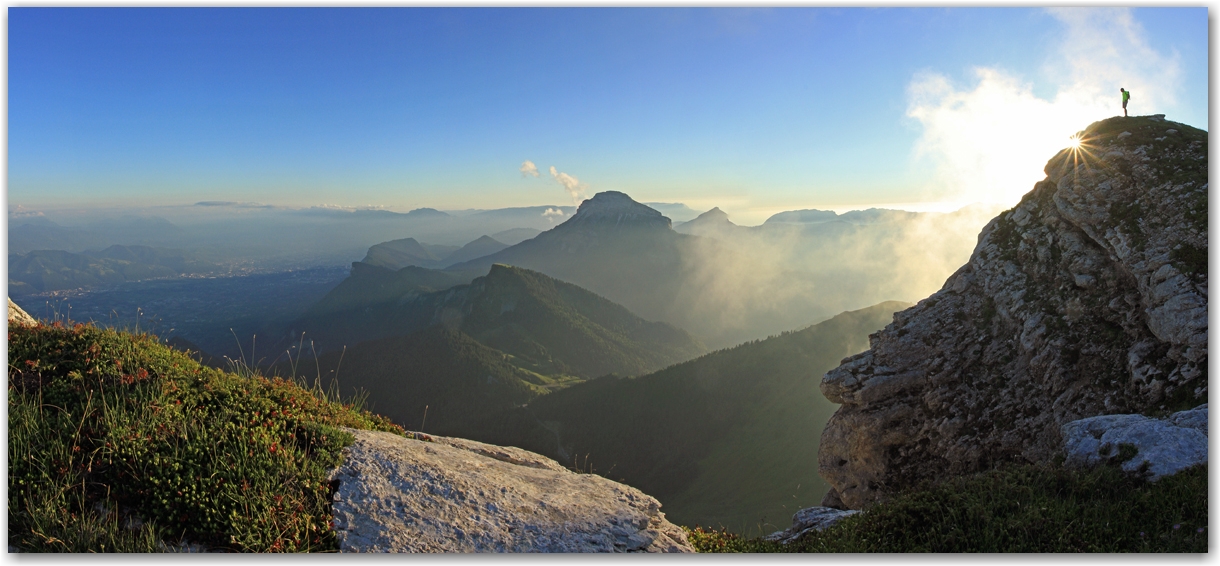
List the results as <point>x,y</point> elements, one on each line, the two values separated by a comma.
<point>362,306</point>
<point>549,326</point>
<point>483,246</point>
<point>439,373</point>
<point>613,246</point>
<point>52,270</point>
<point>39,233</point>
<point>492,344</point>
<point>728,438</point>
<point>397,254</point>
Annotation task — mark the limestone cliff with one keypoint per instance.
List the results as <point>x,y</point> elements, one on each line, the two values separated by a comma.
<point>1087,298</point>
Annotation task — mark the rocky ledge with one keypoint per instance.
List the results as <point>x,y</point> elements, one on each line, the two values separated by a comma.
<point>450,495</point>
<point>16,316</point>
<point>1087,298</point>
<point>1152,447</point>
<point>809,520</point>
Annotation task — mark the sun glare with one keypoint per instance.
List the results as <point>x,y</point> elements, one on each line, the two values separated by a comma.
<point>1074,143</point>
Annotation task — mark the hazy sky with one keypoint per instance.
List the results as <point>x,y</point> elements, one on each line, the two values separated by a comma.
<point>754,111</point>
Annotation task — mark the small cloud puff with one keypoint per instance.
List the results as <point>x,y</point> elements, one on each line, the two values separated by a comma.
<point>575,188</point>
<point>528,169</point>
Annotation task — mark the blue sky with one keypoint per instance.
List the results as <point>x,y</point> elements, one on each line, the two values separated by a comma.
<point>752,110</point>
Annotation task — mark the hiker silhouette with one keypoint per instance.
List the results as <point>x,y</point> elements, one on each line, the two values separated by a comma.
<point>1126,97</point>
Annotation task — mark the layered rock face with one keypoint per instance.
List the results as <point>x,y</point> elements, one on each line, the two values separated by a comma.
<point>1087,298</point>
<point>451,495</point>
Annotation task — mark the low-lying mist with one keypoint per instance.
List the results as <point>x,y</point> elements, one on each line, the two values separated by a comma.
<point>747,283</point>
<point>732,283</point>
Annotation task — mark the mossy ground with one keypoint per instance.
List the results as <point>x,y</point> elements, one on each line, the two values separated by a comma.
<point>120,444</point>
<point>1017,509</point>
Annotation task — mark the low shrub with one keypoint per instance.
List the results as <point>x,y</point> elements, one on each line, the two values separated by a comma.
<point>1015,509</point>
<point>118,443</point>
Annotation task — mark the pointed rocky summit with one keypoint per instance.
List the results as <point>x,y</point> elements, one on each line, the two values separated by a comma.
<point>1088,298</point>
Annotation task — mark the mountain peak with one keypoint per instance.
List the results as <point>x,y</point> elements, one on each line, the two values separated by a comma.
<point>427,213</point>
<point>715,214</point>
<point>615,208</point>
<point>806,216</point>
<point>714,223</point>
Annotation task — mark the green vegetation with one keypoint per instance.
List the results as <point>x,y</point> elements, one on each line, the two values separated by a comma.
<point>445,374</point>
<point>1016,509</point>
<point>118,443</point>
<point>1192,260</point>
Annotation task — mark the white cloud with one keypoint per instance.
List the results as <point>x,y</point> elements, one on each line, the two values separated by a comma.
<point>551,214</point>
<point>575,188</point>
<point>989,142</point>
<point>528,169</point>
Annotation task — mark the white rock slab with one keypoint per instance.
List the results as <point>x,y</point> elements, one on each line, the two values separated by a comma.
<point>809,519</point>
<point>18,317</point>
<point>1165,446</point>
<point>450,495</point>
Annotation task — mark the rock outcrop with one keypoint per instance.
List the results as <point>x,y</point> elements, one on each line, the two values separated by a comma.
<point>1154,447</point>
<point>1087,298</point>
<point>16,316</point>
<point>808,520</point>
<point>450,495</point>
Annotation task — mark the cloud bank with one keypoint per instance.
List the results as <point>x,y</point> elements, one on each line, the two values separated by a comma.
<point>989,141</point>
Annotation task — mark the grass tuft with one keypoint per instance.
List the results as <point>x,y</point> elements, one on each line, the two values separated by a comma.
<point>1015,509</point>
<point>120,444</point>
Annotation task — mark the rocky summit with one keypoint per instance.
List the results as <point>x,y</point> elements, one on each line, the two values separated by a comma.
<point>1088,298</point>
<point>612,208</point>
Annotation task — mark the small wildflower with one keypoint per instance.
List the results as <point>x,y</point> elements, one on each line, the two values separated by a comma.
<point>1141,534</point>
<point>1199,530</point>
<point>1177,526</point>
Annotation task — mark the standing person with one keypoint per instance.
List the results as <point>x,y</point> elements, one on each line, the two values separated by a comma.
<point>1126,97</point>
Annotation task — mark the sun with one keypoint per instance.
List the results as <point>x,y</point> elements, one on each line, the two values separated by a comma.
<point>1074,143</point>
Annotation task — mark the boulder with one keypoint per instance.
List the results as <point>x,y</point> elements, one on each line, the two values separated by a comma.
<point>808,520</point>
<point>397,494</point>
<point>1087,298</point>
<point>18,317</point>
<point>1156,447</point>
